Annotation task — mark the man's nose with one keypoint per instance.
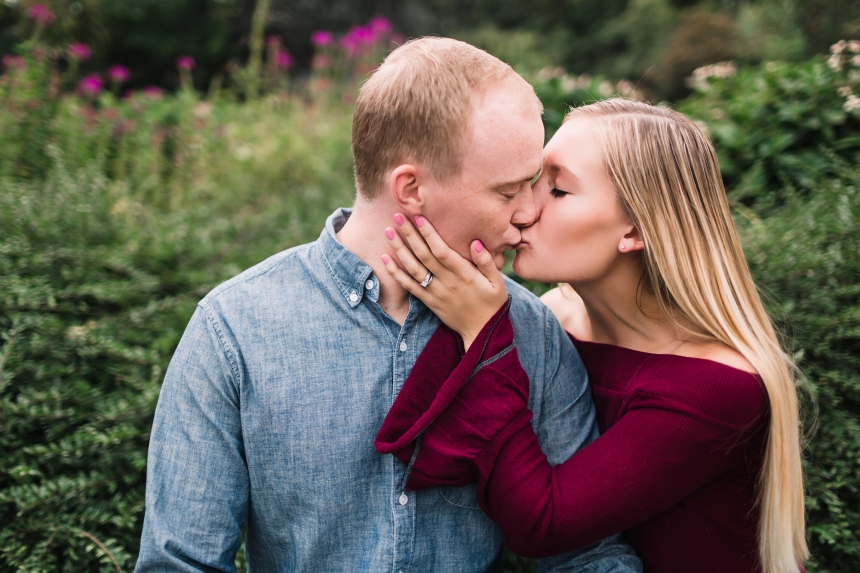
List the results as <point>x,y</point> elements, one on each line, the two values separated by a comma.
<point>526,210</point>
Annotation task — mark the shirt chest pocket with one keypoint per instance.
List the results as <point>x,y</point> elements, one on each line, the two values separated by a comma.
<point>466,496</point>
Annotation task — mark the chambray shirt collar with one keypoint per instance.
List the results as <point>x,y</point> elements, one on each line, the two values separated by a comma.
<point>352,275</point>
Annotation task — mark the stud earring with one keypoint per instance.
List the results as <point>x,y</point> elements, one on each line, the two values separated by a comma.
<point>623,247</point>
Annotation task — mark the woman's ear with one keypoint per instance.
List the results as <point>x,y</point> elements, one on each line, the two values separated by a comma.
<point>405,187</point>
<point>632,241</point>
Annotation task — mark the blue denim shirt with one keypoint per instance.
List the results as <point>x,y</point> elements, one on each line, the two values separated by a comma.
<point>267,417</point>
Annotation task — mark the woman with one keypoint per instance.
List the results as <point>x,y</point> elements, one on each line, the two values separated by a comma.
<point>699,458</point>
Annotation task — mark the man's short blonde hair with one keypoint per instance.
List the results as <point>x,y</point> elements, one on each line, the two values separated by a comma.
<point>417,107</point>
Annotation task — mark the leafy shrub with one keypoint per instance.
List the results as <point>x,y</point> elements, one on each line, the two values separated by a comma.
<point>805,255</point>
<point>769,124</point>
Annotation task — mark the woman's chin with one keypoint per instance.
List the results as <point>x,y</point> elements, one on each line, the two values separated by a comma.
<point>522,267</point>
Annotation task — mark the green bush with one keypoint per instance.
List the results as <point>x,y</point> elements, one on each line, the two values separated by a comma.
<point>118,215</point>
<point>805,255</point>
<point>769,124</point>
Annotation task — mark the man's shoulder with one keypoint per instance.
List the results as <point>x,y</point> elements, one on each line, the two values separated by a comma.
<point>525,306</point>
<point>257,284</point>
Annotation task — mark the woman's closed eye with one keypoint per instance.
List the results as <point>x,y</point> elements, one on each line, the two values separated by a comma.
<point>557,193</point>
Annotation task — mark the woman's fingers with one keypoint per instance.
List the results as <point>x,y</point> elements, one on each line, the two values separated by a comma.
<point>407,259</point>
<point>485,263</point>
<point>418,244</point>
<point>406,281</point>
<point>445,255</point>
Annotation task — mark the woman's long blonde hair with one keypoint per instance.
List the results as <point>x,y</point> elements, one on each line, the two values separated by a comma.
<point>666,173</point>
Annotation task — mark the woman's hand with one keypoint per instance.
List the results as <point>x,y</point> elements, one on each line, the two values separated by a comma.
<point>463,295</point>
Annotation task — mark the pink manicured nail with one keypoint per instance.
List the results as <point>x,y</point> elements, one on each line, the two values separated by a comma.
<point>419,222</point>
<point>398,218</point>
<point>479,246</point>
<point>389,232</point>
<point>384,259</point>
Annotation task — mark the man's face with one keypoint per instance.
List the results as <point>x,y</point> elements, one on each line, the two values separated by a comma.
<point>491,198</point>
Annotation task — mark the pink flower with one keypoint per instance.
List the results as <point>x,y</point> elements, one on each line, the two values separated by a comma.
<point>79,52</point>
<point>349,45</point>
<point>153,92</point>
<point>273,40</point>
<point>380,26</point>
<point>321,38</point>
<point>91,85</point>
<point>10,61</point>
<point>41,14</point>
<point>119,74</point>
<point>185,62</point>
<point>363,35</point>
<point>285,60</point>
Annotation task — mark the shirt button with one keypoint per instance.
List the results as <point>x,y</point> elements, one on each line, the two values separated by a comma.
<point>368,285</point>
<point>353,296</point>
<point>402,346</point>
<point>404,499</point>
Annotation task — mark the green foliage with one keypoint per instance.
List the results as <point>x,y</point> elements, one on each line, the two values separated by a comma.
<point>805,255</point>
<point>769,124</point>
<point>118,215</point>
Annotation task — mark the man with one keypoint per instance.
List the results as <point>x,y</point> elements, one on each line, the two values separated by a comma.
<point>270,406</point>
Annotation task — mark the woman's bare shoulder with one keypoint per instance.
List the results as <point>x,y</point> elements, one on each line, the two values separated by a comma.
<point>717,352</point>
<point>570,311</point>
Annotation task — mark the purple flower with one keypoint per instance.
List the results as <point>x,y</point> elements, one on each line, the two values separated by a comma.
<point>79,52</point>
<point>91,85</point>
<point>153,92</point>
<point>41,14</point>
<point>380,26</point>
<point>285,60</point>
<point>119,74</point>
<point>321,38</point>
<point>185,62</point>
<point>363,35</point>
<point>273,40</point>
<point>10,61</point>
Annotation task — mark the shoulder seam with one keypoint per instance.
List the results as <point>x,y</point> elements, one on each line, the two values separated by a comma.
<point>279,257</point>
<point>226,347</point>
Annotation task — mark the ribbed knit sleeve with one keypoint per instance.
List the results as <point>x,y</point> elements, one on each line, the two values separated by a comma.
<point>656,455</point>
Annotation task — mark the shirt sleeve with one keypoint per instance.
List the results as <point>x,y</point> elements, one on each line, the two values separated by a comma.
<point>197,483</point>
<point>656,455</point>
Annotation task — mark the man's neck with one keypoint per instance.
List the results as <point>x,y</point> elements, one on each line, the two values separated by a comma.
<point>364,235</point>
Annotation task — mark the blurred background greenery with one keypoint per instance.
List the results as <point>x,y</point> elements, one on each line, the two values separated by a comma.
<point>150,150</point>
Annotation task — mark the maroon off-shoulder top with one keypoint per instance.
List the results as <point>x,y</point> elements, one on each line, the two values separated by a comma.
<point>675,467</point>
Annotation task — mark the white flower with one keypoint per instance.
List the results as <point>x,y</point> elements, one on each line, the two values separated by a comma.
<point>605,89</point>
<point>854,46</point>
<point>835,63</point>
<point>569,84</point>
<point>856,60</point>
<point>852,103</point>
<point>844,91</point>
<point>718,70</point>
<point>838,47</point>
<point>717,113</point>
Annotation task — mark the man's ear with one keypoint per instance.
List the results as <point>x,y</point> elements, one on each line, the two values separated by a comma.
<point>405,184</point>
<point>632,241</point>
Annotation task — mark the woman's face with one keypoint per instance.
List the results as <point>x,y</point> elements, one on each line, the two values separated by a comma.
<point>580,225</point>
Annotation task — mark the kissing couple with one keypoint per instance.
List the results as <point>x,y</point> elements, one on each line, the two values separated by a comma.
<point>384,399</point>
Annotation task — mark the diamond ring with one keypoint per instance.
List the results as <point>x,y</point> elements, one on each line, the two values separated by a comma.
<point>427,279</point>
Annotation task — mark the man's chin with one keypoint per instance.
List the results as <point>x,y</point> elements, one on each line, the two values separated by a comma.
<point>499,260</point>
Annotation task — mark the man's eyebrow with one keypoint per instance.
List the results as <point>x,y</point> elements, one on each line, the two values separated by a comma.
<point>528,179</point>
